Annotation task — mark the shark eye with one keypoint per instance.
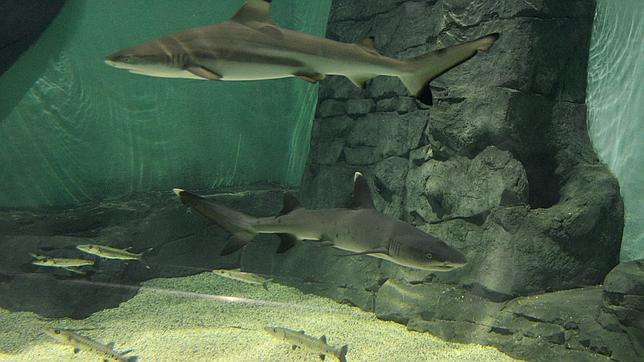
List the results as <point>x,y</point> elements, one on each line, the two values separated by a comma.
<point>57,331</point>
<point>429,256</point>
<point>125,59</point>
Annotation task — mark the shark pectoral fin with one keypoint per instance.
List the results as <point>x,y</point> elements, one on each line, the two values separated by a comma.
<point>361,193</point>
<point>290,204</point>
<point>287,241</point>
<point>254,10</point>
<point>204,73</point>
<point>378,250</point>
<point>233,245</point>
<point>322,357</point>
<point>311,77</point>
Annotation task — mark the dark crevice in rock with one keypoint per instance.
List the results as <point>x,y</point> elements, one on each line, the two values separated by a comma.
<point>544,183</point>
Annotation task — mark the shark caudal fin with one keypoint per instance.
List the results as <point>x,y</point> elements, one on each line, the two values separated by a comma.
<point>429,66</point>
<point>235,222</point>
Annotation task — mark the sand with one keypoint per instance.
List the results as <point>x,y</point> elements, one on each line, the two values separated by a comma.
<point>187,319</point>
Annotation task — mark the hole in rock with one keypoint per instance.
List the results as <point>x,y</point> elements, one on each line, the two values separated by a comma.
<point>544,184</point>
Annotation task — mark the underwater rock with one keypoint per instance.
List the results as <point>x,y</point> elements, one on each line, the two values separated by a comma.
<point>622,307</point>
<point>552,326</point>
<point>464,188</point>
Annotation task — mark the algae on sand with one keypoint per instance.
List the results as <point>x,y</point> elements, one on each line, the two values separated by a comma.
<point>205,318</point>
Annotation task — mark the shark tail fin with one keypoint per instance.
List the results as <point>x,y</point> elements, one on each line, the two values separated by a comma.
<point>425,68</point>
<point>235,222</point>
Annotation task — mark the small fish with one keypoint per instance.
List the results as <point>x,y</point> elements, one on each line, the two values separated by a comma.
<point>108,252</point>
<point>83,343</point>
<point>62,263</point>
<point>318,345</point>
<point>244,277</point>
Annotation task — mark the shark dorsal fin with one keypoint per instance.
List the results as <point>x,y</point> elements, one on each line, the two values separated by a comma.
<point>361,193</point>
<point>254,11</point>
<point>323,338</point>
<point>290,203</point>
<point>110,346</point>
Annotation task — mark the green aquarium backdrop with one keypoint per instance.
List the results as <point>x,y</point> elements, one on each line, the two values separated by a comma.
<point>616,108</point>
<point>73,129</point>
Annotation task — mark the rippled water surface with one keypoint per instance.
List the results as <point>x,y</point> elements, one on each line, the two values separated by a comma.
<point>616,107</point>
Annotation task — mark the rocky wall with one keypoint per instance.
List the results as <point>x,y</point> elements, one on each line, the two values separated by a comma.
<point>500,167</point>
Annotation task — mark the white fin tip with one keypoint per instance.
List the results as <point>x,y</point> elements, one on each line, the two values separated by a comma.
<point>178,191</point>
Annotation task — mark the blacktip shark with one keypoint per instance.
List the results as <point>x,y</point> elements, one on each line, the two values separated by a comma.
<point>251,47</point>
<point>361,230</point>
<point>317,345</point>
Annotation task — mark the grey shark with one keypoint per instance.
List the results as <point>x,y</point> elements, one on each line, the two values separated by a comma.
<point>251,47</point>
<point>360,230</point>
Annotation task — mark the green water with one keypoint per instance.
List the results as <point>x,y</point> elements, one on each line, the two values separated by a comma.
<point>616,107</point>
<point>73,129</point>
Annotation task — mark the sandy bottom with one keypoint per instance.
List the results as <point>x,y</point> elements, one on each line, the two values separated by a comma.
<point>208,318</point>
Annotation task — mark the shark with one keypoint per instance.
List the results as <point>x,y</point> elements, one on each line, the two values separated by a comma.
<point>250,46</point>
<point>358,230</point>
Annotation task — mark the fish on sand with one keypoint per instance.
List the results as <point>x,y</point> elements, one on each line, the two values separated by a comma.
<point>81,343</point>
<point>317,345</point>
<point>244,277</point>
<point>250,46</point>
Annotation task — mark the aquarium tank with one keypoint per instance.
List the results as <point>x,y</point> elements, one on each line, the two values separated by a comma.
<point>351,180</point>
